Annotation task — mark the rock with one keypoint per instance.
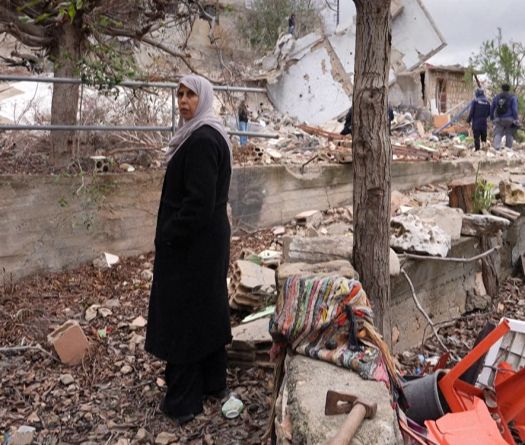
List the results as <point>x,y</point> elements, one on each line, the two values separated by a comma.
<point>312,218</point>
<point>66,379</point>
<point>23,435</point>
<point>105,261</point>
<point>410,234</point>
<point>142,435</point>
<point>91,312</point>
<point>146,275</point>
<point>339,267</point>
<point>338,228</point>
<point>476,225</point>
<point>512,193</point>
<point>138,322</point>
<point>104,312</point>
<point>127,167</point>
<point>395,267</point>
<point>126,369</point>
<point>317,249</point>
<point>475,302</point>
<point>279,230</point>
<point>447,218</point>
<point>307,383</point>
<point>122,441</point>
<point>165,438</point>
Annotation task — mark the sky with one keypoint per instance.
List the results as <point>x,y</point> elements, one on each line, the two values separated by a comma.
<point>465,24</point>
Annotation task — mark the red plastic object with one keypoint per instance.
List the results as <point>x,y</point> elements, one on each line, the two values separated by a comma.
<point>461,396</point>
<point>471,427</point>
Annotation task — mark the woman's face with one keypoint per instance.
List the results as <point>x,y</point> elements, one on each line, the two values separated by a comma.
<point>187,101</point>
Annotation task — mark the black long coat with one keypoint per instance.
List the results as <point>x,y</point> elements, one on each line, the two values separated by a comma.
<point>188,310</point>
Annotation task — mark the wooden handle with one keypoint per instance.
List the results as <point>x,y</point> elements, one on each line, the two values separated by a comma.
<point>350,426</point>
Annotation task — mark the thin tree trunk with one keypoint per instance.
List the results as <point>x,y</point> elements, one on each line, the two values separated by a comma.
<point>372,154</point>
<point>64,105</point>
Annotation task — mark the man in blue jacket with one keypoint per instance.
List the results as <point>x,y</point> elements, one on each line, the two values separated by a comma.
<point>478,115</point>
<point>504,114</point>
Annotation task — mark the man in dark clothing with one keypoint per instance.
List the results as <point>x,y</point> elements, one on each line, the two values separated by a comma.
<point>291,24</point>
<point>478,115</point>
<point>347,129</point>
<point>504,114</point>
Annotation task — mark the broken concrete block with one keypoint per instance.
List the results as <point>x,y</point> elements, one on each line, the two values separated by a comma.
<point>338,267</point>
<point>165,438</point>
<point>23,436</point>
<point>307,381</point>
<point>279,230</point>
<point>447,218</point>
<point>69,342</point>
<point>252,285</point>
<point>476,225</point>
<point>105,261</point>
<point>312,218</point>
<point>138,323</point>
<point>410,234</point>
<point>511,193</point>
<point>317,249</point>
<point>338,228</point>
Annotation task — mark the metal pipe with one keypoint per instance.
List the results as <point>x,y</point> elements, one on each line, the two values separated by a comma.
<point>121,128</point>
<point>127,83</point>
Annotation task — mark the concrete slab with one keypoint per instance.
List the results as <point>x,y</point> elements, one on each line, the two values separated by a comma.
<point>308,381</point>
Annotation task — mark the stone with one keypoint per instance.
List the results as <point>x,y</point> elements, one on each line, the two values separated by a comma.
<point>92,312</point>
<point>311,218</point>
<point>66,379</point>
<point>23,436</point>
<point>69,342</point>
<point>307,382</point>
<point>511,193</point>
<point>338,267</point>
<point>126,369</point>
<point>318,249</point>
<point>138,322</point>
<point>105,261</point>
<point>410,234</point>
<point>475,302</point>
<point>486,225</point>
<point>338,228</point>
<point>279,230</point>
<point>395,266</point>
<point>146,275</point>
<point>447,218</point>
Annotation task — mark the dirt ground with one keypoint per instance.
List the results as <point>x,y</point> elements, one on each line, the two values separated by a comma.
<point>115,393</point>
<point>113,396</point>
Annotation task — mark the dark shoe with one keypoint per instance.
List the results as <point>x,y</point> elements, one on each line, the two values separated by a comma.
<point>181,420</point>
<point>219,395</point>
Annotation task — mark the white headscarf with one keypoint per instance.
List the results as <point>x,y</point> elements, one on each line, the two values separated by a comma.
<point>204,115</point>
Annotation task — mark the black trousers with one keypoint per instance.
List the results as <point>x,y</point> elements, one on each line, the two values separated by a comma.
<point>188,384</point>
<point>479,134</point>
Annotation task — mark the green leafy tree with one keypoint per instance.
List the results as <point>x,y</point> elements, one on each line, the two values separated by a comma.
<point>502,62</point>
<point>90,39</point>
<point>269,18</point>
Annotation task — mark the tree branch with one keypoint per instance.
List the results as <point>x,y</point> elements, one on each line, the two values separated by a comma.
<point>174,53</point>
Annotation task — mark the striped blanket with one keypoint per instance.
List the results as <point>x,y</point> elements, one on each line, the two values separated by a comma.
<point>311,317</point>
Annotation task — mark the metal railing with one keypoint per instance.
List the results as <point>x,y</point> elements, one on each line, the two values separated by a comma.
<point>126,84</point>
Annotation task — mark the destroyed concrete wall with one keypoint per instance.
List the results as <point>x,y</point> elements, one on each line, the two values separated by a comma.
<point>70,223</point>
<point>312,87</point>
<point>446,89</point>
<point>407,90</point>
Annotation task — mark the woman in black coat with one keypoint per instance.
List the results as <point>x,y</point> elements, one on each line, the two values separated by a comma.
<point>188,320</point>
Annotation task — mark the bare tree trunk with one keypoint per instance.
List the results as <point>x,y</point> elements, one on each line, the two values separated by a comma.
<point>372,154</point>
<point>64,105</point>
